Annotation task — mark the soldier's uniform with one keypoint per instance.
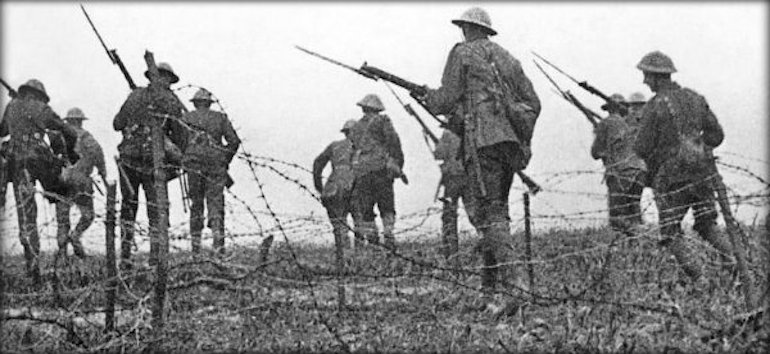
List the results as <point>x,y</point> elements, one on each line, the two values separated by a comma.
<point>26,120</point>
<point>81,190</point>
<point>678,128</point>
<point>455,187</point>
<point>491,104</point>
<point>625,172</point>
<point>206,161</point>
<point>335,194</point>
<point>135,165</point>
<point>377,161</point>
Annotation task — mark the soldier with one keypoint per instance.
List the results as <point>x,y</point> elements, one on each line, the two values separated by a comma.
<point>335,194</point>
<point>624,170</point>
<point>377,161</point>
<point>25,119</point>
<point>206,161</point>
<point>135,164</point>
<point>678,128</point>
<point>454,181</point>
<point>491,104</point>
<point>81,191</point>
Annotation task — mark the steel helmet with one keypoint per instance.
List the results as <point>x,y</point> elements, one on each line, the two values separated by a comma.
<point>637,97</point>
<point>35,85</point>
<point>75,114</point>
<point>202,95</point>
<point>371,101</point>
<point>167,68</point>
<point>348,125</point>
<point>617,98</point>
<point>476,16</point>
<point>656,62</point>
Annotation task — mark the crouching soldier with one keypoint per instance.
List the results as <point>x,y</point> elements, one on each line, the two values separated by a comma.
<point>78,177</point>
<point>335,194</point>
<point>26,120</point>
<point>625,171</point>
<point>206,161</point>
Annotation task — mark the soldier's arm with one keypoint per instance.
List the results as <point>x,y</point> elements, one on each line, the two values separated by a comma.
<point>647,138</point>
<point>96,152</point>
<point>51,121</point>
<point>392,141</point>
<point>713,135</point>
<point>4,124</point>
<point>599,146</point>
<point>130,107</point>
<point>230,136</point>
<point>523,88</point>
<point>442,147</point>
<point>318,166</point>
<point>444,99</point>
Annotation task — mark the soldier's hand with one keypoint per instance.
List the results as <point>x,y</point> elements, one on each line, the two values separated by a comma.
<point>420,93</point>
<point>404,179</point>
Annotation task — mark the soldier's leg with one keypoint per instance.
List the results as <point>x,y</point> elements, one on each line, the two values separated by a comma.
<point>673,204</point>
<point>705,213</point>
<point>363,210</point>
<point>26,210</point>
<point>195,192</point>
<point>85,204</point>
<point>129,194</point>
<point>616,203</point>
<point>452,192</point>
<point>62,228</point>
<point>215,203</point>
<point>338,212</point>
<point>386,204</point>
<point>635,200</point>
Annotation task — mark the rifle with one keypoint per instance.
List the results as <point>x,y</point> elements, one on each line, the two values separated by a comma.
<point>11,92</point>
<point>592,116</point>
<point>375,74</point>
<point>529,182</point>
<point>111,53</point>
<point>621,107</point>
<point>734,231</point>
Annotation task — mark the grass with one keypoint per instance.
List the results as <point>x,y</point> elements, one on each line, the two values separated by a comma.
<point>595,291</point>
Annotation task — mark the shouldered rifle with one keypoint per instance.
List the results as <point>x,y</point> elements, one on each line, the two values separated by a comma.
<point>621,107</point>
<point>592,116</point>
<point>112,53</point>
<point>11,92</point>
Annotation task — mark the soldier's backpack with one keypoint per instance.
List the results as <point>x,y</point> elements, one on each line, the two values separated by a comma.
<point>691,152</point>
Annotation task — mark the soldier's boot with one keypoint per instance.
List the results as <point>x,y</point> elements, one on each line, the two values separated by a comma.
<point>684,257</point>
<point>369,231</point>
<point>359,240</point>
<point>264,248</point>
<point>341,238</point>
<point>77,245</point>
<point>711,235</point>
<point>388,226</point>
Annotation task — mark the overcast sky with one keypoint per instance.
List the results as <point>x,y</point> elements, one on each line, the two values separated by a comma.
<point>288,105</point>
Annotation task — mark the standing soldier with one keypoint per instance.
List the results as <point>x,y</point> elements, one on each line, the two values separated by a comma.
<point>78,177</point>
<point>377,161</point>
<point>491,104</point>
<point>206,161</point>
<point>624,170</point>
<point>25,119</point>
<point>135,165</point>
<point>335,194</point>
<point>454,181</point>
<point>678,128</point>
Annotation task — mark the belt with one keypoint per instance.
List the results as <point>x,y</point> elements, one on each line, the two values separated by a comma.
<point>29,137</point>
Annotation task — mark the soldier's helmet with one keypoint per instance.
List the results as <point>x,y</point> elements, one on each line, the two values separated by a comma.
<point>617,98</point>
<point>165,67</point>
<point>202,95</point>
<point>371,101</point>
<point>75,114</point>
<point>37,86</point>
<point>348,125</point>
<point>656,62</point>
<point>476,16</point>
<point>637,97</point>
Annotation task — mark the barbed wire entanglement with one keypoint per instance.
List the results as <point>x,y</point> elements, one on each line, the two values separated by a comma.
<point>278,287</point>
